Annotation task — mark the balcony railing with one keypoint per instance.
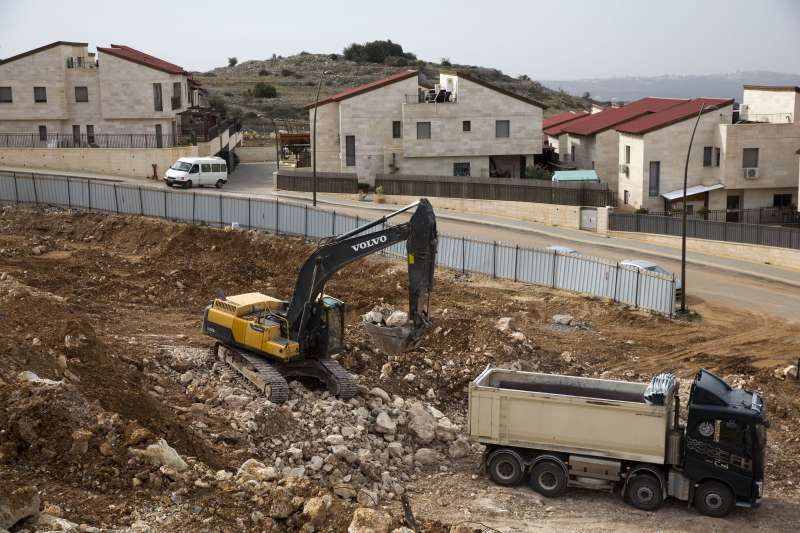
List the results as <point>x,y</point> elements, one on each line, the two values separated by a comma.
<point>431,97</point>
<point>781,216</point>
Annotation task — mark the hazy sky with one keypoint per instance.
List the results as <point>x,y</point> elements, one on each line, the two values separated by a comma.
<point>544,39</point>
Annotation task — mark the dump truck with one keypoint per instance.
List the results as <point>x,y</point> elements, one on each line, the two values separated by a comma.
<point>558,431</point>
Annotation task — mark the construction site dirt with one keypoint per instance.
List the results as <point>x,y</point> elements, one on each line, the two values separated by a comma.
<point>115,415</point>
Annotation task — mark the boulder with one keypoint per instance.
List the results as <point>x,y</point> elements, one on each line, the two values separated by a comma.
<point>315,463</point>
<point>316,509</point>
<point>343,452</point>
<point>236,401</point>
<point>161,454</point>
<point>18,504</point>
<point>380,393</point>
<point>367,498</point>
<point>385,424</point>
<point>426,457</point>
<point>459,448</point>
<point>446,431</point>
<point>504,324</point>
<point>366,520</point>
<point>80,442</point>
<point>563,320</point>
<point>48,522</point>
<point>375,317</point>
<point>344,491</point>
<point>395,449</point>
<point>397,319</point>
<point>518,337</point>
<point>421,423</point>
<point>256,470</point>
<point>281,504</point>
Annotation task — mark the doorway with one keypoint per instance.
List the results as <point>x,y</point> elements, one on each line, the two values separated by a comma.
<point>732,209</point>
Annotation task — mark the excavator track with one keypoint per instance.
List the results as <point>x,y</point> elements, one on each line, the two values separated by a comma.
<point>345,382</point>
<point>266,378</point>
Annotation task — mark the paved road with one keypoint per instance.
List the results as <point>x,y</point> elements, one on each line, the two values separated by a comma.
<point>719,280</point>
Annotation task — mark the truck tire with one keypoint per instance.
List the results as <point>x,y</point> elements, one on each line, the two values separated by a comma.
<point>645,492</point>
<point>188,184</point>
<point>714,499</point>
<point>548,479</point>
<point>505,468</point>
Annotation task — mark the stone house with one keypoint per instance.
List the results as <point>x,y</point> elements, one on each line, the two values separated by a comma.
<point>464,126</point>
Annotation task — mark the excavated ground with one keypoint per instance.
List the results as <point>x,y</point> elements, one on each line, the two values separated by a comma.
<point>112,307</point>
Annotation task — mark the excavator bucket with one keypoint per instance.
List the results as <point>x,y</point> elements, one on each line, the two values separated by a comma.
<point>394,340</point>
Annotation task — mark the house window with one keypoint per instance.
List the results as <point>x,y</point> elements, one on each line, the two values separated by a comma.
<point>177,102</point>
<point>40,95</point>
<point>466,125</point>
<point>5,95</point>
<point>423,130</point>
<point>90,133</point>
<point>76,134</point>
<point>627,155</point>
<point>460,169</point>
<point>157,104</point>
<point>572,152</point>
<point>708,152</point>
<point>655,177</point>
<point>717,153</point>
<point>626,197</point>
<point>81,94</point>
<point>397,129</point>
<point>43,133</point>
<point>502,128</point>
<point>350,150</point>
<point>782,200</point>
<point>749,157</point>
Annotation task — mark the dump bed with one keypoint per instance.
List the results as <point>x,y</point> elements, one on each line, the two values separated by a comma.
<point>598,417</point>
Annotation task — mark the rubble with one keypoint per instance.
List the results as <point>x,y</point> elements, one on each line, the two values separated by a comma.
<point>161,454</point>
<point>18,504</point>
<point>367,520</point>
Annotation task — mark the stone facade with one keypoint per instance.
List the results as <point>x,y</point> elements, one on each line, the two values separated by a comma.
<point>120,93</point>
<point>369,118</point>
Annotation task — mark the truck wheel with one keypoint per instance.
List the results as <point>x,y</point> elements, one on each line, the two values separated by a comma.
<point>219,184</point>
<point>189,184</point>
<point>645,493</point>
<point>505,469</point>
<point>714,499</point>
<point>548,479</point>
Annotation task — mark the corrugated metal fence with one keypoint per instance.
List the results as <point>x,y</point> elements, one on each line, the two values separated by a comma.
<point>594,276</point>
<point>707,229</point>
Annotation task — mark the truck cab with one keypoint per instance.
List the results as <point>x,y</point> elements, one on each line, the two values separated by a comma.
<point>725,440</point>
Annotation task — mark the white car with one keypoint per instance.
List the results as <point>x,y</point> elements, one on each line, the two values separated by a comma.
<point>563,250</point>
<point>649,266</point>
<point>199,171</point>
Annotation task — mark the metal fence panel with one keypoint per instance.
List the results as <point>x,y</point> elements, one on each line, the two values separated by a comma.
<point>535,266</point>
<point>261,213</point>
<point>479,256</point>
<point>451,252</point>
<point>8,191</point>
<point>52,191</point>
<point>154,202</point>
<point>208,209</point>
<point>181,206</point>
<point>129,200</point>
<point>26,189</point>
<point>103,196</point>
<point>235,209</point>
<point>291,219</point>
<point>320,223</point>
<point>506,261</point>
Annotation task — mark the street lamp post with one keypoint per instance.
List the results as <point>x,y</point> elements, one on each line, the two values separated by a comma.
<point>314,142</point>
<point>683,212</point>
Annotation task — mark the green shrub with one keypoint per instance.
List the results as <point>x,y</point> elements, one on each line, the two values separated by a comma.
<point>232,61</point>
<point>642,211</point>
<point>538,172</point>
<point>375,52</point>
<point>445,62</point>
<point>264,90</point>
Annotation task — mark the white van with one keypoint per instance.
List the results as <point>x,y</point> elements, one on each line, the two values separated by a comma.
<point>190,171</point>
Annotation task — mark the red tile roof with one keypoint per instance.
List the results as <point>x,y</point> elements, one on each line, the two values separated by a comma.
<point>131,54</point>
<point>561,118</point>
<point>609,118</point>
<point>360,89</point>
<point>671,115</point>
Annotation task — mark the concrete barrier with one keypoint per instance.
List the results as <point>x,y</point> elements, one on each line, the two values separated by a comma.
<point>780,257</point>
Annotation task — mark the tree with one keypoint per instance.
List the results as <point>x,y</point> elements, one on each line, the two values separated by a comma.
<point>263,72</point>
<point>445,62</point>
<point>264,90</point>
<point>217,103</point>
<point>232,61</point>
<point>587,95</point>
<point>374,52</point>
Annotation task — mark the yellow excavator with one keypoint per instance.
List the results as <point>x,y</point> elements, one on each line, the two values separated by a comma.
<point>268,340</point>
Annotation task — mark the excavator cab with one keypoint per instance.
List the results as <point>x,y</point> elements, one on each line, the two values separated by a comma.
<point>334,324</point>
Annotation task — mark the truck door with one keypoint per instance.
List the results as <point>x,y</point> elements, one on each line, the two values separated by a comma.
<point>721,448</point>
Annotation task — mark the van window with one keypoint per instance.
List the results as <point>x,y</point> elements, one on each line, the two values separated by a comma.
<point>182,166</point>
<point>195,169</point>
<point>205,167</point>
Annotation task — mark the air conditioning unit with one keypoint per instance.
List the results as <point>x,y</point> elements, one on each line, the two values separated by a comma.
<point>750,173</point>
<point>624,169</point>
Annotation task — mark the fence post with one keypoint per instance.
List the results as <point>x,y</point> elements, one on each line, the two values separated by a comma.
<point>333,223</point>
<point>249,213</point>
<point>165,203</point>
<point>116,200</point>
<point>35,193</point>
<point>305,222</point>
<point>141,202</point>
<point>221,224</point>
<point>277,217</point>
<point>636,296</point>
<point>555,264</point>
<point>89,193</point>
<point>194,201</point>
<point>16,188</point>
<point>516,261</point>
<point>69,195</point>
<point>463,255</point>
<point>494,260</point>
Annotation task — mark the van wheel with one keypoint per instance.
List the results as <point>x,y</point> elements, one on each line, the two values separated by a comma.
<point>548,479</point>
<point>189,184</point>
<point>505,469</point>
<point>219,184</point>
<point>644,492</point>
<point>714,499</point>
<point>169,184</point>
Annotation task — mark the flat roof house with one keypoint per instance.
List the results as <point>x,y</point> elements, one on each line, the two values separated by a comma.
<point>464,126</point>
<point>63,89</point>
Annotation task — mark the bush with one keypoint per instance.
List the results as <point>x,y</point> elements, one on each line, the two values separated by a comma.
<point>285,72</point>
<point>333,57</point>
<point>445,62</point>
<point>538,172</point>
<point>232,61</point>
<point>263,72</point>
<point>642,211</point>
<point>217,103</point>
<point>264,90</point>
<point>374,52</point>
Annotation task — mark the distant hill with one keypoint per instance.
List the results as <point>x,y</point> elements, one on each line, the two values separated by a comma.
<point>295,79</point>
<point>632,88</point>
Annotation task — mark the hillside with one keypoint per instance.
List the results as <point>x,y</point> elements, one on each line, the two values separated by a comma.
<point>632,88</point>
<point>295,78</point>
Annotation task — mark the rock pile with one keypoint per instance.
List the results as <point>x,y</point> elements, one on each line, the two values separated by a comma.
<point>386,316</point>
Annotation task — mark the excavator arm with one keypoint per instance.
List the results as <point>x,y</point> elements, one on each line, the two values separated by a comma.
<point>337,252</point>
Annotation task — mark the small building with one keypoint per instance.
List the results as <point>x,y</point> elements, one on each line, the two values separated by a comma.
<point>576,176</point>
<point>463,126</point>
